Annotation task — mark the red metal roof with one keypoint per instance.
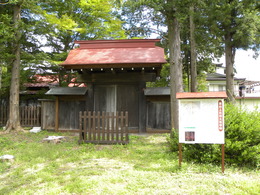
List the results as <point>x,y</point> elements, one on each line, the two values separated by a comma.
<point>115,53</point>
<point>43,81</point>
<point>40,81</point>
<point>201,95</point>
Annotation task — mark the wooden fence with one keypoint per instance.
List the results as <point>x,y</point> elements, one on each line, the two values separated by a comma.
<point>3,115</point>
<point>105,128</point>
<point>29,115</point>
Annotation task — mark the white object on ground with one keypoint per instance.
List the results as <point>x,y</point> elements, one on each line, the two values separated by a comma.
<point>49,138</point>
<point>7,157</point>
<point>35,130</point>
<point>54,139</point>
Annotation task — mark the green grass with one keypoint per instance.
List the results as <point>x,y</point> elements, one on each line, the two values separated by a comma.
<point>145,166</point>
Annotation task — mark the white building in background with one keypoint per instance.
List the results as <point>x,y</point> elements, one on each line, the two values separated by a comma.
<point>247,92</point>
<point>242,87</point>
<point>217,82</point>
<point>251,88</point>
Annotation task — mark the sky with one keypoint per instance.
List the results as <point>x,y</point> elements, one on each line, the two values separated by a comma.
<point>246,66</point>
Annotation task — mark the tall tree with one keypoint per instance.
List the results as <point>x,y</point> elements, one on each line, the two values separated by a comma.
<point>148,13</point>
<point>236,23</point>
<point>193,56</point>
<point>13,122</point>
<point>5,37</point>
<point>175,59</point>
<point>53,24</point>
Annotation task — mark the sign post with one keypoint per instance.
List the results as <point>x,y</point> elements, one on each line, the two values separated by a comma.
<point>180,154</point>
<point>223,157</point>
<point>201,119</point>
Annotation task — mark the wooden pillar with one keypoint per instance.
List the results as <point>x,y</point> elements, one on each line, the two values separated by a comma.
<point>57,114</point>
<point>142,108</point>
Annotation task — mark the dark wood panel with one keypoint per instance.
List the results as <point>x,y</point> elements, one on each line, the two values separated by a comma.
<point>69,114</point>
<point>158,98</point>
<point>117,78</point>
<point>142,107</point>
<point>105,98</point>
<point>48,115</point>
<point>158,115</point>
<point>127,100</point>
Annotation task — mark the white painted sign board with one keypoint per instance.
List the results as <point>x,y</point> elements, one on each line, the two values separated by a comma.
<point>201,121</point>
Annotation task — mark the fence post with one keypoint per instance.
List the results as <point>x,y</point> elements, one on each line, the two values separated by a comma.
<point>103,126</point>
<point>122,126</point>
<point>89,126</point>
<point>80,128</point>
<point>126,126</point>
<point>117,127</point>
<point>98,126</point>
<point>112,126</point>
<point>85,126</point>
<point>107,124</point>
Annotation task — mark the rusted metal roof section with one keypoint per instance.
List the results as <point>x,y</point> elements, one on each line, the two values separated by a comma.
<point>157,91</point>
<point>115,53</point>
<point>67,91</point>
<point>201,95</point>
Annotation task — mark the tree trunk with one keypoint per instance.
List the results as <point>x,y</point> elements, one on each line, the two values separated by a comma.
<point>229,58</point>
<point>0,77</point>
<point>13,122</point>
<point>193,52</point>
<point>176,82</point>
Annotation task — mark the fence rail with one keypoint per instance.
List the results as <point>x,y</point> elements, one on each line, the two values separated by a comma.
<point>105,128</point>
<point>29,115</point>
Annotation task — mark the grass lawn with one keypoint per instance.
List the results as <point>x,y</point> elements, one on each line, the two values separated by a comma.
<point>145,166</point>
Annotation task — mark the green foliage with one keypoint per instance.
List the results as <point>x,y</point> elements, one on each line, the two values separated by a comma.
<point>242,141</point>
<point>202,83</point>
<point>173,140</point>
<point>149,17</point>
<point>242,136</point>
<point>241,18</point>
<point>164,79</point>
<point>49,29</point>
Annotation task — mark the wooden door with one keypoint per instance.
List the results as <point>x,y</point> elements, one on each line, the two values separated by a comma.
<point>105,98</point>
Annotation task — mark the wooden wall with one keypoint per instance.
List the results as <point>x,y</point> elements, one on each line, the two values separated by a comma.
<point>127,100</point>
<point>69,113</point>
<point>68,118</point>
<point>158,115</point>
<point>48,114</point>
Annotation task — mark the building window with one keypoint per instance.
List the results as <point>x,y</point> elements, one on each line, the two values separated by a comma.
<point>221,88</point>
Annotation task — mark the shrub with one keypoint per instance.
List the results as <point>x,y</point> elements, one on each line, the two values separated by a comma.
<point>242,133</point>
<point>242,140</point>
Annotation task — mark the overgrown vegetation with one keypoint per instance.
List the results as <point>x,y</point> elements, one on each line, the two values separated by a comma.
<point>145,166</point>
<point>242,141</point>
